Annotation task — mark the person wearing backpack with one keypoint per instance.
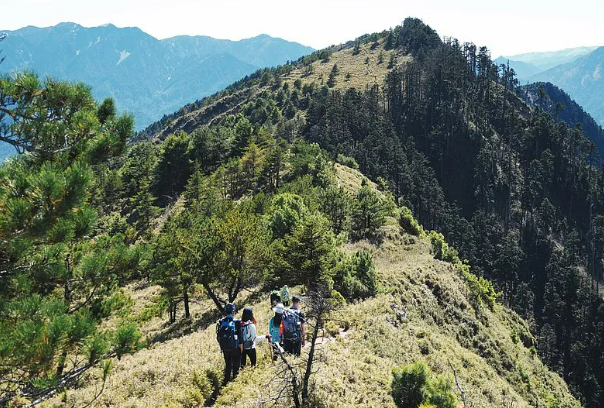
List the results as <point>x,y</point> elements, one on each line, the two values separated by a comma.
<point>292,332</point>
<point>230,339</point>
<point>248,332</point>
<point>275,323</point>
<point>275,297</point>
<point>285,295</point>
<point>296,309</point>
<point>274,328</point>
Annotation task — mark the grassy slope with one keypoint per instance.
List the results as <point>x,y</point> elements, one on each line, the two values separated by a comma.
<point>423,314</point>
<point>362,75</point>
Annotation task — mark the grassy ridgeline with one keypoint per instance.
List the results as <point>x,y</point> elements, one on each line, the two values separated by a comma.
<point>423,313</point>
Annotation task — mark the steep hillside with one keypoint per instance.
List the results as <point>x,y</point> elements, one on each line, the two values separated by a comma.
<point>583,80</point>
<point>561,106</point>
<point>145,76</point>
<point>358,69</point>
<point>425,312</point>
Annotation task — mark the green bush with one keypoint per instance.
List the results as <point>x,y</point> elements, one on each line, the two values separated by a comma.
<point>409,384</point>
<point>126,339</point>
<point>286,212</point>
<point>347,161</point>
<point>415,386</point>
<point>481,289</point>
<point>356,277</point>
<point>409,223</point>
<point>441,249</point>
<point>369,211</point>
<point>439,393</point>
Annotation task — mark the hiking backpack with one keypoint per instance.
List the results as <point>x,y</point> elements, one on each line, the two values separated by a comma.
<point>291,325</point>
<point>226,333</point>
<point>248,340</point>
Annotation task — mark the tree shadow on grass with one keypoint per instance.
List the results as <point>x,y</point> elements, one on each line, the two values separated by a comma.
<point>184,326</point>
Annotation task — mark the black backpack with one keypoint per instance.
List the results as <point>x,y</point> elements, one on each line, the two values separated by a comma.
<point>226,334</point>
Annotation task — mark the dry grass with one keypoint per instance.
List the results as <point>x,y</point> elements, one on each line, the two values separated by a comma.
<point>423,315</point>
<point>362,74</point>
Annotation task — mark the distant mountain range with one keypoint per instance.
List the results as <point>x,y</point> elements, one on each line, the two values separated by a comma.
<point>146,76</point>
<point>583,80</point>
<point>524,70</point>
<point>532,63</point>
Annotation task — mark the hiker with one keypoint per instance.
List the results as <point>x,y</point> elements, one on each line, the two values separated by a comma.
<point>296,309</point>
<point>274,326</point>
<point>275,297</point>
<point>228,334</point>
<point>292,330</point>
<point>248,331</point>
<point>285,295</point>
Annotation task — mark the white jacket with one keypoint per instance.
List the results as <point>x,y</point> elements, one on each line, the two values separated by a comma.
<point>251,333</point>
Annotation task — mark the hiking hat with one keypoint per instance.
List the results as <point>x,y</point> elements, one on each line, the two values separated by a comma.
<point>230,308</point>
<point>295,298</point>
<point>279,309</point>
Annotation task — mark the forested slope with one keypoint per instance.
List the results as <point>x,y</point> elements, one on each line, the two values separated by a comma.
<point>561,106</point>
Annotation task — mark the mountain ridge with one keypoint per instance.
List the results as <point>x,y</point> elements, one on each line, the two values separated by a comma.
<point>582,79</point>
<point>136,68</point>
<point>545,60</point>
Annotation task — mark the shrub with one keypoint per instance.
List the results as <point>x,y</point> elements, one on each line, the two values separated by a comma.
<point>126,339</point>
<point>286,212</point>
<point>347,161</point>
<point>408,385</point>
<point>414,386</point>
<point>356,277</point>
<point>365,271</point>
<point>440,393</point>
<point>441,249</point>
<point>481,289</point>
<point>409,223</point>
<point>369,212</point>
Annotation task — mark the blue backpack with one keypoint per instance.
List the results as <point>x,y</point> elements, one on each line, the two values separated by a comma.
<point>291,325</point>
<point>226,334</point>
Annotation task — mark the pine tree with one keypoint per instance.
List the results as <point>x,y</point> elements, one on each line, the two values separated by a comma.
<point>55,278</point>
<point>331,82</point>
<point>307,252</point>
<point>173,167</point>
<point>369,212</point>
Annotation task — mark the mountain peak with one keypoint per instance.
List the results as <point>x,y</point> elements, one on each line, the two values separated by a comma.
<point>155,77</point>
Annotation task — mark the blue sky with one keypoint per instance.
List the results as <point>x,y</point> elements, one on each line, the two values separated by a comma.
<point>506,26</point>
